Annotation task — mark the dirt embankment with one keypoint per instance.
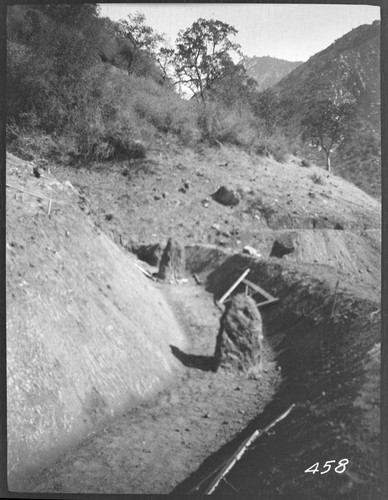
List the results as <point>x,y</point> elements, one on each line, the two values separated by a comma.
<point>87,336</point>
<point>328,220</point>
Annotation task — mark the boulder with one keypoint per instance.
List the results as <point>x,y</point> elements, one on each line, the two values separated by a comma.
<point>251,251</point>
<point>226,196</point>
<point>172,263</point>
<point>151,254</point>
<point>283,245</point>
<point>238,340</point>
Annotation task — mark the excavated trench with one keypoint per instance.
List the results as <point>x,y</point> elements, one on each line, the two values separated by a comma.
<point>325,338</point>
<point>326,334</point>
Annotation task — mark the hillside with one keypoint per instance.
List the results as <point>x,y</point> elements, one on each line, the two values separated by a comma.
<point>268,71</point>
<point>347,70</point>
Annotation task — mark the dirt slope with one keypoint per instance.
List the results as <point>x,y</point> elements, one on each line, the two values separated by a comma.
<point>142,202</point>
<point>87,336</point>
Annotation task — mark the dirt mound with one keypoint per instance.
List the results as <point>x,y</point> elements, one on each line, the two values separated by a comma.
<point>238,341</point>
<point>172,263</point>
<point>87,335</point>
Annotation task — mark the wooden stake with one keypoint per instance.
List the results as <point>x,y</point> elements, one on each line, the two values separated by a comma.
<point>28,192</point>
<point>242,449</point>
<point>198,281</point>
<point>334,301</point>
<point>144,271</point>
<point>235,285</point>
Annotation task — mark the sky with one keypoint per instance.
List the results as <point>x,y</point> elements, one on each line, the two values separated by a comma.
<point>293,32</point>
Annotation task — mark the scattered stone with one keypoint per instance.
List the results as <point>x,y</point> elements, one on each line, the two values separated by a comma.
<point>186,185</point>
<point>283,245</point>
<point>251,251</point>
<point>226,197</point>
<point>150,253</point>
<point>216,227</point>
<point>172,263</point>
<point>238,340</point>
<point>182,190</point>
<point>205,202</point>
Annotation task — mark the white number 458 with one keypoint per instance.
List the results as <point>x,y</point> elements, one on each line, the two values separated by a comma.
<point>341,467</point>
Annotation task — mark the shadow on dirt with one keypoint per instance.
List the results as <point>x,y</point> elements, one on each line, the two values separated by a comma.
<point>204,363</point>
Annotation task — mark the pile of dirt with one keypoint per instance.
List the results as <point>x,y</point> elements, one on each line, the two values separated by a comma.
<point>87,335</point>
<point>172,263</point>
<point>238,341</point>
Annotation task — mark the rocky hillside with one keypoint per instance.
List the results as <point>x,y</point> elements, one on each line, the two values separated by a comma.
<point>268,71</point>
<point>347,70</point>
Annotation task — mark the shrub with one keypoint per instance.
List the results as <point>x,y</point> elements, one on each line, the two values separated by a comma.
<point>275,145</point>
<point>317,179</point>
<point>220,124</point>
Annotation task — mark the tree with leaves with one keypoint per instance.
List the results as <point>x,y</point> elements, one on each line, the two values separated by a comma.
<point>202,54</point>
<point>325,125</point>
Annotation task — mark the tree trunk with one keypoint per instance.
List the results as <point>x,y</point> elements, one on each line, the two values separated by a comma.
<point>328,163</point>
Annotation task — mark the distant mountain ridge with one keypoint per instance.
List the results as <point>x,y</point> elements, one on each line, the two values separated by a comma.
<point>268,71</point>
<point>347,70</point>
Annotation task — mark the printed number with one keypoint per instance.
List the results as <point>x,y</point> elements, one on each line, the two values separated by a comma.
<point>341,465</point>
<point>340,469</point>
<point>314,468</point>
<point>327,464</point>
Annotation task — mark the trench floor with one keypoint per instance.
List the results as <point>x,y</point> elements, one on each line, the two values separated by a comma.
<point>155,446</point>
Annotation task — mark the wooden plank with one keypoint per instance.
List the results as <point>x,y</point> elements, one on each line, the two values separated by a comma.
<point>271,301</point>
<point>40,196</point>
<point>235,285</point>
<point>256,287</point>
<point>144,271</point>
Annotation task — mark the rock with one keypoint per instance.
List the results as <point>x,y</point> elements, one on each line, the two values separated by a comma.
<point>238,340</point>
<point>217,227</point>
<point>251,251</point>
<point>226,197</point>
<point>172,263</point>
<point>150,253</point>
<point>283,245</point>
